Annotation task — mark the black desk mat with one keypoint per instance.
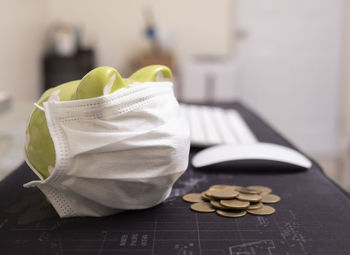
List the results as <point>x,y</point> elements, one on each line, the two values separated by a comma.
<point>313,216</point>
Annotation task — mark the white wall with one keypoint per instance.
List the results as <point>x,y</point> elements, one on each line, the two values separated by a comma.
<point>346,81</point>
<point>22,26</point>
<point>345,110</point>
<point>291,67</point>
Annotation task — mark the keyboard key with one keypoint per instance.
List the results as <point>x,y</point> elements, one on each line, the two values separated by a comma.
<point>213,125</point>
<point>223,128</point>
<point>240,129</point>
<point>209,125</point>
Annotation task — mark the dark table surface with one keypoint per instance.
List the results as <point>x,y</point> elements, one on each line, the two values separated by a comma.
<point>313,216</point>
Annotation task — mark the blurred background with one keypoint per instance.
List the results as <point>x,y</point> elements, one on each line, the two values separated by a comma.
<point>288,60</point>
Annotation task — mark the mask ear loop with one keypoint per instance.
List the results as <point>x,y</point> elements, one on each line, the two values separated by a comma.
<point>39,107</point>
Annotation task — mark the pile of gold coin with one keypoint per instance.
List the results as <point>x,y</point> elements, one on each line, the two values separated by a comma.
<point>233,201</point>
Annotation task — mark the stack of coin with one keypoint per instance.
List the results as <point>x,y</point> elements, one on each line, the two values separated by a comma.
<point>233,201</point>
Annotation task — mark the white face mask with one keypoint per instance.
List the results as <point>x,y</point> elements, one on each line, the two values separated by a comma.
<point>115,152</point>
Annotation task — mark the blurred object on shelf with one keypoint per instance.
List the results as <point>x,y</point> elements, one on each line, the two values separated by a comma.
<point>59,69</point>
<point>161,39</point>
<point>156,59</point>
<point>65,59</point>
<point>64,40</point>
<point>209,79</point>
<point>161,44</point>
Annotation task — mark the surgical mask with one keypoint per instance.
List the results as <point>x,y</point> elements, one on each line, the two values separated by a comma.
<point>116,152</point>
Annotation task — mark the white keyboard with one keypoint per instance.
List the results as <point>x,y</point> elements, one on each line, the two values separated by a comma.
<point>214,125</point>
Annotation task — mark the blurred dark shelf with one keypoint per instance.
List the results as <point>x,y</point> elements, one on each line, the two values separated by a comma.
<point>59,69</point>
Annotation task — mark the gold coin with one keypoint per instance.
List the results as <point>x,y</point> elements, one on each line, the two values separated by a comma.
<point>249,197</point>
<point>232,214</point>
<point>224,186</point>
<point>193,198</point>
<point>223,193</point>
<point>235,187</point>
<point>205,196</point>
<point>262,189</point>
<point>248,191</point>
<point>264,210</point>
<point>235,204</point>
<point>219,186</point>
<point>227,189</point>
<point>254,206</point>
<point>208,193</point>
<point>202,207</point>
<point>218,205</point>
<point>270,198</point>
